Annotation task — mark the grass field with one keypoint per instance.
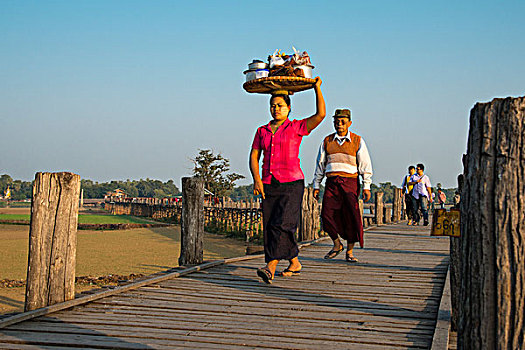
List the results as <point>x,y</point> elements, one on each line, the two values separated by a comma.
<point>110,219</point>
<point>3,204</point>
<point>87,219</point>
<point>22,217</point>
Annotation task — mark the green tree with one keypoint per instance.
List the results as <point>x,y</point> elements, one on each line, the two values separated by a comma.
<point>388,191</point>
<point>5,181</point>
<point>19,189</point>
<point>135,188</point>
<point>213,169</point>
<point>241,192</point>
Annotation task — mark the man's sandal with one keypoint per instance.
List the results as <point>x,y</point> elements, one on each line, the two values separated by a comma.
<point>333,253</point>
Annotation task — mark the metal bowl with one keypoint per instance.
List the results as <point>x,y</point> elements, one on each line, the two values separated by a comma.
<point>261,73</point>
<point>250,75</point>
<point>307,70</point>
<point>256,64</point>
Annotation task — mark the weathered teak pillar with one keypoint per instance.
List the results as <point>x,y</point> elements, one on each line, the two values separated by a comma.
<point>362,211</point>
<point>455,269</point>
<point>309,225</point>
<point>378,212</point>
<point>192,223</point>
<point>387,215</point>
<point>492,298</point>
<point>52,239</point>
<point>397,204</point>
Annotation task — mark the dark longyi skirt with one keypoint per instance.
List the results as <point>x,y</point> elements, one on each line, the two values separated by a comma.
<point>340,213</point>
<point>281,215</point>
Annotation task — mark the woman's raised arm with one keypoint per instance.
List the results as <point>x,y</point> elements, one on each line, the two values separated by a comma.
<point>316,119</point>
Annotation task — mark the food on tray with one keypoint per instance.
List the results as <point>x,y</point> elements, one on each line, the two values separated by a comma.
<point>281,64</point>
<point>282,72</point>
<point>296,65</point>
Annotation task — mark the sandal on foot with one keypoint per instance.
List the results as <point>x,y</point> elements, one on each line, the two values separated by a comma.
<point>333,253</point>
<point>287,273</point>
<point>265,274</point>
<point>351,259</point>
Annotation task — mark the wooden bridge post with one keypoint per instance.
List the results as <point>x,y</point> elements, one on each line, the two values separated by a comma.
<point>309,226</point>
<point>455,269</point>
<point>387,214</point>
<point>52,239</point>
<point>362,211</point>
<point>397,204</point>
<point>192,223</point>
<point>492,298</point>
<point>379,208</point>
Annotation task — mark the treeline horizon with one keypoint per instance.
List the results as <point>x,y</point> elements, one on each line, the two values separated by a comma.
<point>22,190</point>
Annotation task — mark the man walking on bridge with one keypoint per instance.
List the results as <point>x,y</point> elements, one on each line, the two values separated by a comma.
<point>342,157</point>
<point>407,190</point>
<point>421,194</point>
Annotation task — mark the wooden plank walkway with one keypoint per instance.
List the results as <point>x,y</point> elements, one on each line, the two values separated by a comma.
<point>389,299</point>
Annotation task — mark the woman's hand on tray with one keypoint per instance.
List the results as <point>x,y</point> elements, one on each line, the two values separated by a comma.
<point>318,82</point>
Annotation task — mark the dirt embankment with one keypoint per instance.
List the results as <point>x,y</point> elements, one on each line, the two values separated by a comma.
<point>19,211</point>
<point>94,226</point>
<point>81,226</point>
<point>101,281</point>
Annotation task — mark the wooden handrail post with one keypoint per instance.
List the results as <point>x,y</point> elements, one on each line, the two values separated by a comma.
<point>362,212</point>
<point>310,224</point>
<point>52,239</point>
<point>192,223</point>
<point>379,208</point>
<point>387,214</point>
<point>492,295</point>
<point>397,204</point>
<point>455,271</point>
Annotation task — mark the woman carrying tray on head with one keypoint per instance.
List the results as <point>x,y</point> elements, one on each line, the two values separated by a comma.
<point>282,182</point>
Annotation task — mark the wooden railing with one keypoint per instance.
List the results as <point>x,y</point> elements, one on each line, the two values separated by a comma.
<point>244,218</point>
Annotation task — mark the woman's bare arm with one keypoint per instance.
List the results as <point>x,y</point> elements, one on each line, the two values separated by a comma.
<point>316,119</point>
<point>255,156</point>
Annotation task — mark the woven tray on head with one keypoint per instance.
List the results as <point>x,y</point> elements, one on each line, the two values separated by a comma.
<point>278,83</point>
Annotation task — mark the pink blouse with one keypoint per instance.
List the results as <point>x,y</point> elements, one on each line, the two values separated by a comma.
<point>281,150</point>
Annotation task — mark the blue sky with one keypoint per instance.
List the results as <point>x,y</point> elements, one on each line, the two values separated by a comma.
<point>133,89</point>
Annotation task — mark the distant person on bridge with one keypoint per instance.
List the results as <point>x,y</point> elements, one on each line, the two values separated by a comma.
<point>282,182</point>
<point>456,199</point>
<point>342,157</point>
<point>407,190</point>
<point>442,198</point>
<point>421,194</point>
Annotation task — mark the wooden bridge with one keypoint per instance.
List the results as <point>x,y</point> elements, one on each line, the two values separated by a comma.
<point>396,297</point>
<point>390,299</point>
